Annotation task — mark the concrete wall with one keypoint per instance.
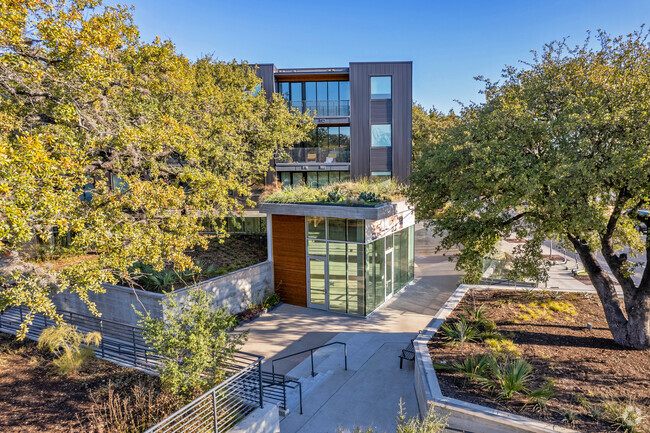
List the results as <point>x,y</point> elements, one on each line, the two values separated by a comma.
<point>461,415</point>
<point>261,420</point>
<point>233,291</point>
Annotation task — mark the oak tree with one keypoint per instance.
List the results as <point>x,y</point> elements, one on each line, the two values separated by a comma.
<point>560,148</point>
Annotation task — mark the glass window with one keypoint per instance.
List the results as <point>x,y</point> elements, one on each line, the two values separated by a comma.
<point>310,95</point>
<point>355,230</point>
<point>336,227</point>
<point>285,178</point>
<point>333,136</point>
<point>323,179</point>
<point>297,179</point>
<point>312,178</point>
<point>337,277</point>
<point>334,176</point>
<point>316,227</point>
<point>321,90</point>
<point>381,135</point>
<point>380,176</point>
<point>332,90</point>
<point>380,87</point>
<point>284,90</point>
<point>345,176</point>
<point>344,90</point>
<point>355,261</point>
<point>344,136</point>
<point>316,248</point>
<point>296,91</point>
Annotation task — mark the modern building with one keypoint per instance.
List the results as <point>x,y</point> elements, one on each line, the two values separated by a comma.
<point>363,117</point>
<point>342,258</point>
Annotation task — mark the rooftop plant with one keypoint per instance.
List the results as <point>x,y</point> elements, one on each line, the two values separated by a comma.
<point>351,193</point>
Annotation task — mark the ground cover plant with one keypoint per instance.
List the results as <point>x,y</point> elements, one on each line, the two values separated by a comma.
<point>546,355</point>
<point>351,193</point>
<point>221,257</point>
<point>99,397</point>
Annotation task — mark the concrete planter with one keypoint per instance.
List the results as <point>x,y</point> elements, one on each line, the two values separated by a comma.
<point>234,291</point>
<point>462,415</point>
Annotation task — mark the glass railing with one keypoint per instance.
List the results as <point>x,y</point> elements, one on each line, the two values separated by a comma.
<point>323,108</point>
<point>323,155</point>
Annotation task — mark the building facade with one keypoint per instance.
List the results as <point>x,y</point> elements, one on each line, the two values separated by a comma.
<point>363,121</point>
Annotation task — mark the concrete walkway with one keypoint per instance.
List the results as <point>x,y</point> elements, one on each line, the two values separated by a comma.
<point>367,394</point>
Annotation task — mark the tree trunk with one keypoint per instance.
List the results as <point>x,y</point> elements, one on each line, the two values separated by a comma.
<point>633,330</point>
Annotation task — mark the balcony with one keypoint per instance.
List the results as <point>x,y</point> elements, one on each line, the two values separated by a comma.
<point>315,155</point>
<point>323,108</point>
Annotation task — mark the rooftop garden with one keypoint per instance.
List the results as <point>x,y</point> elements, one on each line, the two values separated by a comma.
<point>363,192</point>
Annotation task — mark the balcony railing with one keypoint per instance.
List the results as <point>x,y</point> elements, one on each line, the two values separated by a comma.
<point>323,155</point>
<point>323,108</point>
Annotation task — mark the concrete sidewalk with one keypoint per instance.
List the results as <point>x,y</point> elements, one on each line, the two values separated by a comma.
<point>368,394</point>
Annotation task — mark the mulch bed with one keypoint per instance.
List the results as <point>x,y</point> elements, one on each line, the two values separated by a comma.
<point>588,369</point>
<point>35,399</point>
<point>584,279</point>
<point>237,250</point>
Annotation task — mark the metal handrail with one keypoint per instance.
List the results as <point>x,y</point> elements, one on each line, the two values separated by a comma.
<point>311,354</point>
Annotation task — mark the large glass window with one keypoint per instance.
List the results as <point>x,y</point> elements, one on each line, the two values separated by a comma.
<point>316,227</point>
<point>327,98</point>
<point>296,96</point>
<point>337,277</point>
<point>355,258</point>
<point>381,135</point>
<point>336,228</point>
<point>380,87</point>
<point>310,95</point>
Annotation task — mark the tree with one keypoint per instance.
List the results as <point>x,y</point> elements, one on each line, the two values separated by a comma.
<point>114,151</point>
<point>194,343</point>
<point>558,149</point>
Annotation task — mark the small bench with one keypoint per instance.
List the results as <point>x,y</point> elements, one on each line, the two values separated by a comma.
<point>408,354</point>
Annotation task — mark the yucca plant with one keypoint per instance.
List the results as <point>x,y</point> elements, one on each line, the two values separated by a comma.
<point>473,367</point>
<point>540,397</point>
<point>72,347</point>
<point>459,332</point>
<point>507,378</point>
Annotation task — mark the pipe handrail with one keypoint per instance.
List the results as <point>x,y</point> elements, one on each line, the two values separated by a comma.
<point>311,354</point>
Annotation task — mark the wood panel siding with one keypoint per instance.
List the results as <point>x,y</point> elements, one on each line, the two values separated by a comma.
<point>289,258</point>
<point>381,159</point>
<point>401,106</point>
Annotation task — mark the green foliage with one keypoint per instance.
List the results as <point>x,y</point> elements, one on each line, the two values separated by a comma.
<point>270,301</point>
<point>432,422</point>
<point>507,377</point>
<point>626,417</point>
<point>72,347</point>
<point>502,348</point>
<point>194,342</point>
<point>358,192</point>
<point>474,367</point>
<point>459,332</point>
<point>557,150</point>
<point>539,398</point>
<point>124,147</point>
<point>479,319</point>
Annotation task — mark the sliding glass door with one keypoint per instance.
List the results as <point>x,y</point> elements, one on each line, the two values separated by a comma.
<point>317,277</point>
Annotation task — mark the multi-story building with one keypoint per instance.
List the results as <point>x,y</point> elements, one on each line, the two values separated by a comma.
<point>363,118</point>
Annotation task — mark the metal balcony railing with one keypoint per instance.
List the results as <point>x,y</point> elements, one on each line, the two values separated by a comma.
<point>323,108</point>
<point>323,155</point>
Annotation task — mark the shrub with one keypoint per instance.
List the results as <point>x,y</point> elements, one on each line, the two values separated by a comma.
<point>432,422</point>
<point>626,417</point>
<point>502,348</point>
<point>459,332</point>
<point>71,346</point>
<point>540,397</point>
<point>507,378</point>
<point>479,319</point>
<point>193,342</point>
<point>474,366</point>
<point>271,300</point>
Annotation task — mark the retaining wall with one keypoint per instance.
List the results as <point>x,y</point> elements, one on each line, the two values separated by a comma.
<point>234,291</point>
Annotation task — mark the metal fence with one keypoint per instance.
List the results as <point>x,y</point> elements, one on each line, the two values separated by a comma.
<point>120,343</point>
<point>322,155</point>
<point>221,408</point>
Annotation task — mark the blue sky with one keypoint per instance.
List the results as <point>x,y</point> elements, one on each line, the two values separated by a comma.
<point>449,42</point>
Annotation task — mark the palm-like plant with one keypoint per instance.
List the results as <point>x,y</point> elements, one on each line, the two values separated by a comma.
<point>459,332</point>
<point>507,378</point>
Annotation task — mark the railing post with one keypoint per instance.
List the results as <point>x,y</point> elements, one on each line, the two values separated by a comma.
<point>214,411</point>
<point>284,394</point>
<point>135,355</point>
<point>101,332</point>
<point>311,354</point>
<point>273,370</point>
<point>300,395</point>
<point>20,308</point>
<point>259,372</point>
<point>345,348</point>
<point>44,322</point>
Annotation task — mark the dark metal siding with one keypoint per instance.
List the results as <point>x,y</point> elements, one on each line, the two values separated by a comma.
<point>360,73</point>
<point>265,72</point>
<point>381,111</point>
<point>381,159</point>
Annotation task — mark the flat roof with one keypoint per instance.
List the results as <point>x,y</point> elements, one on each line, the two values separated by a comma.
<point>333,70</point>
<point>377,212</point>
